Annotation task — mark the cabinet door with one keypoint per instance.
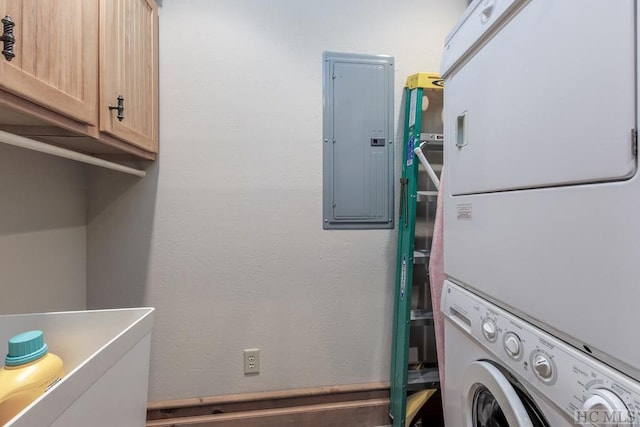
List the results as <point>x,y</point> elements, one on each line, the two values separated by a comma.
<point>129,68</point>
<point>56,55</point>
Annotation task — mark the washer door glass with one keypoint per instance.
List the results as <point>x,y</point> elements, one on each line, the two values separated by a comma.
<point>490,400</point>
<point>486,410</point>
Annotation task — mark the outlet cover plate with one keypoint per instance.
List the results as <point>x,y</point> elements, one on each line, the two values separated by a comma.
<point>252,361</point>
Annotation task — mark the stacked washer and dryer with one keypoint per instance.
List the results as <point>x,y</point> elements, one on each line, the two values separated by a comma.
<point>542,215</point>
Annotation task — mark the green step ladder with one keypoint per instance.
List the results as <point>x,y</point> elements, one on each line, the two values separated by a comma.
<point>402,380</point>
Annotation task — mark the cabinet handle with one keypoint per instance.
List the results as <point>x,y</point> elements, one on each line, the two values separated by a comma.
<point>120,108</point>
<point>7,37</point>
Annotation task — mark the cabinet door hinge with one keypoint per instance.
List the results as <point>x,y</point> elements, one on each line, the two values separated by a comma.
<point>634,142</point>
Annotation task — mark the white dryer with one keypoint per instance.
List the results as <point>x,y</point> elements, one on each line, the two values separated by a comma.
<point>542,195</point>
<point>502,371</point>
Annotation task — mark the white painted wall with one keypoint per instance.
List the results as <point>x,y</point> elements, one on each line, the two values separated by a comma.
<point>224,237</point>
<point>43,205</point>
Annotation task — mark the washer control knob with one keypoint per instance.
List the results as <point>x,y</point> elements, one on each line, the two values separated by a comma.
<point>603,407</point>
<point>542,367</point>
<point>512,345</point>
<point>489,329</point>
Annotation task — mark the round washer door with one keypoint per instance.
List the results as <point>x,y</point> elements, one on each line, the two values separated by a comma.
<point>489,399</point>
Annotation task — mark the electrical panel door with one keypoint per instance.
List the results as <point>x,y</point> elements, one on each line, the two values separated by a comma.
<point>358,141</point>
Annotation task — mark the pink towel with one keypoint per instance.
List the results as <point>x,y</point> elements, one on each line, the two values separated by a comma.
<point>436,278</point>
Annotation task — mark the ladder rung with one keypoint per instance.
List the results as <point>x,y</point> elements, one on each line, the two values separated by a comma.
<point>432,137</point>
<point>424,196</point>
<point>422,378</point>
<point>421,315</point>
<point>433,141</point>
<point>421,256</point>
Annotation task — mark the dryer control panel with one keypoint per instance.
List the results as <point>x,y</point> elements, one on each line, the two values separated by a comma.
<point>590,392</point>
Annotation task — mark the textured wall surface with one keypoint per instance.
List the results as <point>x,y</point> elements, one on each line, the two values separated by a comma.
<point>224,236</point>
<point>43,205</point>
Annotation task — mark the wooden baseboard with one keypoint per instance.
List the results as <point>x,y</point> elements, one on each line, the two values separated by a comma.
<point>358,405</point>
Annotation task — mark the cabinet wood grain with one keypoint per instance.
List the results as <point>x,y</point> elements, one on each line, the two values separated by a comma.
<point>129,68</point>
<point>56,60</point>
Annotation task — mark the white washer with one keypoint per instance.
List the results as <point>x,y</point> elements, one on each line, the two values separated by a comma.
<point>542,195</point>
<point>502,371</point>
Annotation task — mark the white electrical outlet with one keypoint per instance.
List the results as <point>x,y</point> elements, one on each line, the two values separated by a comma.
<point>252,361</point>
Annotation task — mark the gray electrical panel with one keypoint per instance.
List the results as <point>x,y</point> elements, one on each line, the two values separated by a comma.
<point>358,146</point>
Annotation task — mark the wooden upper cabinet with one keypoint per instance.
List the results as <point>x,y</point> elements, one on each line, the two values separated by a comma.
<point>56,61</point>
<point>67,63</point>
<point>129,69</point>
